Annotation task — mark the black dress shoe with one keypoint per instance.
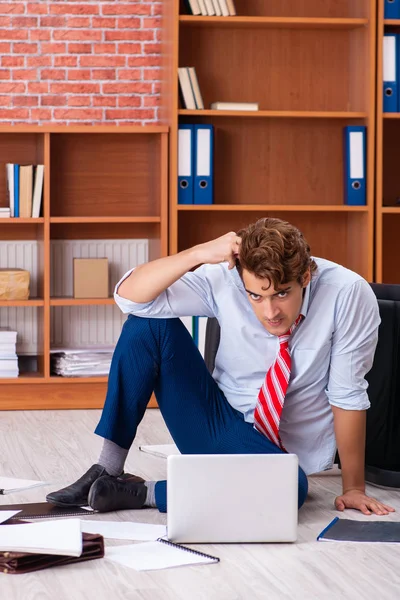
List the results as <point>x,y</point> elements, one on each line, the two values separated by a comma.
<point>117,493</point>
<point>76,494</point>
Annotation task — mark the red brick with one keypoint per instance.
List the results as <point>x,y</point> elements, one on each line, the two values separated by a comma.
<point>27,74</point>
<point>5,48</point>
<point>89,114</point>
<point>6,101</point>
<point>55,74</point>
<point>79,74</point>
<point>12,88</point>
<point>104,23</point>
<point>65,61</point>
<point>127,88</point>
<point>78,22</point>
<point>102,61</point>
<point>104,48</point>
<point>144,61</point>
<point>154,23</point>
<point>39,61</point>
<point>37,8</point>
<point>129,48</point>
<point>38,87</point>
<point>80,48</point>
<point>126,113</point>
<point>77,34</point>
<point>156,9</point>
<point>152,74</point>
<point>104,101</point>
<point>123,9</point>
<point>104,74</point>
<point>54,48</point>
<point>26,100</point>
<point>24,21</point>
<point>14,113</point>
<point>137,35</point>
<point>13,61</point>
<point>151,100</point>
<point>13,34</point>
<point>42,35</point>
<point>14,8</point>
<point>53,21</point>
<point>5,74</point>
<point>25,48</point>
<point>129,24</point>
<point>156,88</point>
<point>75,88</point>
<point>129,101</point>
<point>79,101</point>
<point>152,48</point>
<point>53,100</point>
<point>40,114</point>
<point>130,74</point>
<point>5,21</point>
<point>70,9</point>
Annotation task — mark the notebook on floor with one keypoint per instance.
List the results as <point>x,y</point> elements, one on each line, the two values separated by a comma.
<point>232,498</point>
<point>45,510</point>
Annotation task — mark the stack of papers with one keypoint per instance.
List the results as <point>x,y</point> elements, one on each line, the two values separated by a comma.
<point>8,355</point>
<point>81,362</point>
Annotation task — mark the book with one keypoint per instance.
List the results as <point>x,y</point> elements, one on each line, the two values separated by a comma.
<point>186,89</point>
<point>10,485</point>
<point>210,8</point>
<point>37,191</point>
<point>25,191</point>
<point>161,450</point>
<point>224,8</point>
<point>347,530</point>
<point>235,106</point>
<point>196,88</point>
<point>160,554</point>
<point>60,538</point>
<point>45,510</point>
<point>203,8</point>
<point>10,186</point>
<point>231,8</point>
<point>217,8</point>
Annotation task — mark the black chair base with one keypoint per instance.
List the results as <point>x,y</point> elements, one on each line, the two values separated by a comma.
<point>382,477</point>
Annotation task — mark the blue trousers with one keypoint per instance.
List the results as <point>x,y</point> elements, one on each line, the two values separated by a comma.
<point>160,355</point>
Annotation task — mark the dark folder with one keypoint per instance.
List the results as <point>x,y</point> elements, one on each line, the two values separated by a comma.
<point>347,530</point>
<point>44,510</point>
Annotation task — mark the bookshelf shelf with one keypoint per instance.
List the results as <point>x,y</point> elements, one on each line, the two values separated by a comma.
<point>102,185</point>
<point>391,210</point>
<point>272,22</point>
<point>391,115</point>
<point>270,208</point>
<point>274,114</point>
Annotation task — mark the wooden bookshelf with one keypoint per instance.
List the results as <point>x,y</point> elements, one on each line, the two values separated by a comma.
<point>311,67</point>
<point>387,219</point>
<point>100,183</point>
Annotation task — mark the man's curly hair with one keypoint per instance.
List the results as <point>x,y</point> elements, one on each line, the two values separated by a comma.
<point>275,250</point>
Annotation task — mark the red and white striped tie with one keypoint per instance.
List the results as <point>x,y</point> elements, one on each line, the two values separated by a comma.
<point>272,393</point>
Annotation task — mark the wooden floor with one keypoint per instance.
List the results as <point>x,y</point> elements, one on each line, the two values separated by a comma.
<point>60,445</point>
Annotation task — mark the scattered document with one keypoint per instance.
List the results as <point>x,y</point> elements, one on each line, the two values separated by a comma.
<point>9,485</point>
<point>162,450</point>
<point>117,530</point>
<point>7,514</point>
<point>347,530</point>
<point>156,555</point>
<point>54,537</point>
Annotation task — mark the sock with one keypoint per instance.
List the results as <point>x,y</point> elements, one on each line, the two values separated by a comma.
<point>151,494</point>
<point>112,457</point>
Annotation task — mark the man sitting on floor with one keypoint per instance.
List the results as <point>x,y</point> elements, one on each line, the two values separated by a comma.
<point>298,335</point>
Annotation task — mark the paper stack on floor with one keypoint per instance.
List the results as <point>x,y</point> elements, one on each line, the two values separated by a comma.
<point>8,355</point>
<point>81,362</point>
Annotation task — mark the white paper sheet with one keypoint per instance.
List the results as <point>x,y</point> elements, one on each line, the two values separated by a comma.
<point>153,555</point>
<point>162,450</point>
<point>7,514</point>
<point>9,485</point>
<point>126,530</point>
<point>61,537</point>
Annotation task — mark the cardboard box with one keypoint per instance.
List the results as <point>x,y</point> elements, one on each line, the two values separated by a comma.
<point>14,284</point>
<point>90,277</point>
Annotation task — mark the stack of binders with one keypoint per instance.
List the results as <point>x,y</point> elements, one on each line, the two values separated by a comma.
<point>195,164</point>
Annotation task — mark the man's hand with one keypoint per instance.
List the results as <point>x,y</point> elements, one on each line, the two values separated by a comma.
<point>222,249</point>
<point>358,500</point>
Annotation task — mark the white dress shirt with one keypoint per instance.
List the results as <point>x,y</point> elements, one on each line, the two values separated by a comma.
<point>331,350</point>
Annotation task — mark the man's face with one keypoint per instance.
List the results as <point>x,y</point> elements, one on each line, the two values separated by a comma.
<point>276,309</point>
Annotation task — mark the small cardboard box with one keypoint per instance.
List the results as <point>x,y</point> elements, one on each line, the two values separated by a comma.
<point>90,277</point>
<point>14,284</point>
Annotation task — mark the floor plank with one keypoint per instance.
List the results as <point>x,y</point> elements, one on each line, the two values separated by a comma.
<point>60,445</point>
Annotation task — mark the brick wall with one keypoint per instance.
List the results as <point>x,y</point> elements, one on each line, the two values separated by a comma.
<point>79,62</point>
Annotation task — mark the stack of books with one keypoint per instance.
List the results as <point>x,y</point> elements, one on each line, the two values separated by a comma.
<point>211,8</point>
<point>25,190</point>
<point>8,354</point>
<point>81,362</point>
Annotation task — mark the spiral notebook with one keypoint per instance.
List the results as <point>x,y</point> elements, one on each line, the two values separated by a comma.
<point>160,554</point>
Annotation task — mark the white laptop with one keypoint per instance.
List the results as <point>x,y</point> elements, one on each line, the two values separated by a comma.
<point>214,498</point>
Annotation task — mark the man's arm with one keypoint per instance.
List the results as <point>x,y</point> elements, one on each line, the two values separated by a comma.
<point>148,281</point>
<point>350,428</point>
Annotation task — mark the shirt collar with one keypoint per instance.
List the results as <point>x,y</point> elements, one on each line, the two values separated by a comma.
<point>306,301</point>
